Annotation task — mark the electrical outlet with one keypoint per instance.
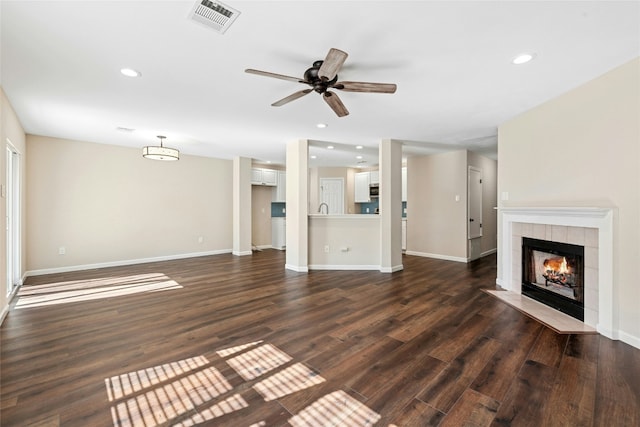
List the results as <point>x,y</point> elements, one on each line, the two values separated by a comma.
<point>200,239</point>
<point>326,249</point>
<point>367,210</point>
<point>62,250</point>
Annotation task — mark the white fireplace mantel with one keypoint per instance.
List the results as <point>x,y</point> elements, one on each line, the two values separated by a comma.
<point>588,217</point>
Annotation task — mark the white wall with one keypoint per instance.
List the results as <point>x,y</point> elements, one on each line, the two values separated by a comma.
<point>107,204</point>
<point>583,149</point>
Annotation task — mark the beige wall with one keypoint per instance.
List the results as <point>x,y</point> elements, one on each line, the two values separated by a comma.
<point>107,204</point>
<point>261,215</point>
<point>10,130</point>
<point>583,149</point>
<point>436,223</point>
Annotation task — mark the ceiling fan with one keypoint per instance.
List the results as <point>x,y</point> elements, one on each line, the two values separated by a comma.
<point>322,76</point>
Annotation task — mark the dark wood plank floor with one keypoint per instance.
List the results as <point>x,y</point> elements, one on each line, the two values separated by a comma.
<point>240,341</point>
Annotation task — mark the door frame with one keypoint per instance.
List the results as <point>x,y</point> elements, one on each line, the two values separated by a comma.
<point>13,224</point>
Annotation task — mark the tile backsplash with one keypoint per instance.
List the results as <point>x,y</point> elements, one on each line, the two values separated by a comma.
<point>278,209</point>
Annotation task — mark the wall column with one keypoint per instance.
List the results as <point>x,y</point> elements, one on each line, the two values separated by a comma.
<point>297,206</point>
<point>241,206</point>
<point>390,202</point>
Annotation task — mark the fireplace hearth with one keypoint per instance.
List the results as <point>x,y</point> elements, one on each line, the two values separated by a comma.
<point>553,274</point>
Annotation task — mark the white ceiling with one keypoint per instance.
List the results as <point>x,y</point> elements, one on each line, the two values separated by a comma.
<point>451,61</point>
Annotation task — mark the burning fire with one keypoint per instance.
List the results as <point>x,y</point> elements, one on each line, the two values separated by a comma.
<point>556,265</point>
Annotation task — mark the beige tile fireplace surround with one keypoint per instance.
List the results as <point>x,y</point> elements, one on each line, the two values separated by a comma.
<point>584,226</point>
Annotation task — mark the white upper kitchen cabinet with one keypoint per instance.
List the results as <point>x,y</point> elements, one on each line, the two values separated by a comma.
<point>361,182</point>
<point>280,192</point>
<point>260,176</point>
<point>404,184</point>
<point>374,177</point>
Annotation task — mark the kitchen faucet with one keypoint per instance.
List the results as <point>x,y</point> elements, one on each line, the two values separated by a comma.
<point>320,207</point>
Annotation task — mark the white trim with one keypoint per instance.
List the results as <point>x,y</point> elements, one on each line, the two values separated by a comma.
<point>241,253</point>
<point>588,217</point>
<point>299,269</point>
<point>438,256</point>
<point>391,269</point>
<point>489,252</point>
<point>343,267</point>
<point>122,262</point>
<point>10,298</point>
<point>4,313</point>
<point>265,247</point>
<point>629,339</point>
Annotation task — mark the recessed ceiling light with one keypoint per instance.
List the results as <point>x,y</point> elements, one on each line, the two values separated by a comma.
<point>329,147</point>
<point>359,147</point>
<point>523,58</point>
<point>321,125</point>
<point>313,157</point>
<point>358,157</point>
<point>130,72</point>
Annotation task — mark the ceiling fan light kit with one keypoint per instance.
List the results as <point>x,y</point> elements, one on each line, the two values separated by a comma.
<point>160,152</point>
<point>322,76</point>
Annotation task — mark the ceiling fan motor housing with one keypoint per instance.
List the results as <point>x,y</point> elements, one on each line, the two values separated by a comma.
<point>319,85</point>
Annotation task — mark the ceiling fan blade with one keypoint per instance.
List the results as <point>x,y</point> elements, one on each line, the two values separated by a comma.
<point>274,75</point>
<point>366,87</point>
<point>336,105</point>
<point>332,64</point>
<point>291,97</point>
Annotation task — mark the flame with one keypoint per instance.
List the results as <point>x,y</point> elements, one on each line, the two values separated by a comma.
<point>557,265</point>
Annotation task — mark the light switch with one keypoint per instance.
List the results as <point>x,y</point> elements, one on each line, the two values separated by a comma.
<point>457,197</point>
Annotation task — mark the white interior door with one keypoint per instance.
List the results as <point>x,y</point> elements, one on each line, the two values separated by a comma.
<point>475,202</point>
<point>332,193</point>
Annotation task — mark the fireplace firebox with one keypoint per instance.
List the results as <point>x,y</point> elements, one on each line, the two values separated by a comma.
<point>553,274</point>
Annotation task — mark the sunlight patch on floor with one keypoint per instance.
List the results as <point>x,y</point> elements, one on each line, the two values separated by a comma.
<point>192,391</point>
<point>259,361</point>
<point>336,409</point>
<point>86,290</point>
<point>294,378</point>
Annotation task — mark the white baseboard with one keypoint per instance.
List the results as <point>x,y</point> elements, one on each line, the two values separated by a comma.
<point>629,339</point>
<point>122,262</point>
<point>10,297</point>
<point>298,268</point>
<point>343,267</point>
<point>438,256</point>
<point>391,269</point>
<point>4,313</point>
<point>489,252</point>
<point>241,253</point>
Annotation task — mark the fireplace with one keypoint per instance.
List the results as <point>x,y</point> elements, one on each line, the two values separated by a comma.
<point>591,227</point>
<point>553,274</point>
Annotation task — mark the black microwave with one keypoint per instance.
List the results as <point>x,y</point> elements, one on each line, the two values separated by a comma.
<point>374,191</point>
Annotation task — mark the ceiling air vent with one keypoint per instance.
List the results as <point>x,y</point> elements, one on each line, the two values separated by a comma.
<point>216,15</point>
